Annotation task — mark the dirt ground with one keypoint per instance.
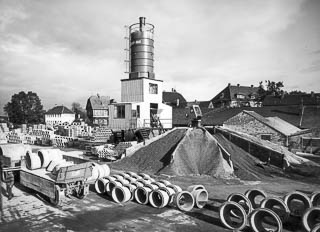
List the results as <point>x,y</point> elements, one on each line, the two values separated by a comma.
<point>30,211</point>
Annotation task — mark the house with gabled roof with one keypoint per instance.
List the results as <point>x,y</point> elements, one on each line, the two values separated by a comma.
<point>174,99</point>
<point>236,96</point>
<point>97,109</point>
<point>304,99</point>
<point>59,115</point>
<point>273,129</point>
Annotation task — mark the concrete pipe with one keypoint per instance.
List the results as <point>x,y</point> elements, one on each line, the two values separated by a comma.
<point>316,228</point>
<point>165,182</point>
<point>110,178</point>
<point>183,200</point>
<point>159,184</point>
<point>33,161</point>
<point>106,169</point>
<point>176,188</point>
<point>100,185</point>
<point>195,187</point>
<point>137,184</point>
<point>242,200</point>
<point>315,198</point>
<point>130,173</point>
<point>144,175</point>
<point>144,181</point>
<point>311,218</point>
<point>132,189</point>
<point>47,155</point>
<point>51,165</point>
<point>124,175</point>
<point>100,170</point>
<point>111,184</point>
<point>297,203</point>
<point>259,218</point>
<point>123,181</point>
<point>227,218</point>
<point>256,196</point>
<point>159,198</point>
<point>14,151</point>
<point>130,179</point>
<point>278,206</point>
<point>121,194</point>
<point>170,191</point>
<point>119,177</point>
<point>152,186</point>
<point>200,197</point>
<point>141,195</point>
<point>95,172</point>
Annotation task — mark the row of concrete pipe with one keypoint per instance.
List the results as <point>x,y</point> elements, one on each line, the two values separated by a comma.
<point>127,186</point>
<point>266,213</point>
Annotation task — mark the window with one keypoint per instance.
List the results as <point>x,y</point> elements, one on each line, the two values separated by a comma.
<point>266,137</point>
<point>138,111</point>
<point>240,96</point>
<point>153,88</point>
<point>119,111</point>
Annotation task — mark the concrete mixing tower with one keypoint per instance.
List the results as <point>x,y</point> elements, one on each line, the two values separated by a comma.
<point>141,93</point>
<point>141,49</point>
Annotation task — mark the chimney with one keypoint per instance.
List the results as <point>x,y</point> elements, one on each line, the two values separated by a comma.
<point>142,23</point>
<point>251,86</point>
<point>238,85</point>
<point>312,94</point>
<point>229,84</point>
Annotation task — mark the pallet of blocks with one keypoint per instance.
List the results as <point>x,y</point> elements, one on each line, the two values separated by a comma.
<point>101,134</point>
<point>16,137</point>
<point>61,141</point>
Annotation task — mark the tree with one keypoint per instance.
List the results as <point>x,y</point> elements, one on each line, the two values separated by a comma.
<point>25,108</point>
<point>272,88</point>
<point>297,92</point>
<point>79,111</point>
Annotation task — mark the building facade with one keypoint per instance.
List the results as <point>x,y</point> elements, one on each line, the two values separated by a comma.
<point>236,96</point>
<point>59,115</point>
<point>97,109</point>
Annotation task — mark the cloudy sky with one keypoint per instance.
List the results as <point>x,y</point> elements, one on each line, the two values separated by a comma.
<point>67,50</point>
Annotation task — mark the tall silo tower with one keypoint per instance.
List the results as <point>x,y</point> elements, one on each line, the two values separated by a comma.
<point>141,50</point>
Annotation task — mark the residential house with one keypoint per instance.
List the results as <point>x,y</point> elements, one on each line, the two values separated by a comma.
<point>97,109</point>
<point>236,96</point>
<point>59,115</point>
<point>174,99</point>
<point>312,99</point>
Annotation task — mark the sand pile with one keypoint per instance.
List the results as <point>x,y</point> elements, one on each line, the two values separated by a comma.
<point>181,152</point>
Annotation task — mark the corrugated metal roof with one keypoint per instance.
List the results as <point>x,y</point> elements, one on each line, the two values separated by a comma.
<point>59,110</point>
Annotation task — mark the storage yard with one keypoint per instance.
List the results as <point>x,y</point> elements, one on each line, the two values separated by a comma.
<point>128,168</point>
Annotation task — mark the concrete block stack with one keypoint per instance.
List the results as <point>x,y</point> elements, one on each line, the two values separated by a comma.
<point>24,128</point>
<point>3,138</point>
<point>4,128</point>
<point>31,139</point>
<point>16,136</point>
<point>41,136</point>
<point>101,134</point>
<point>62,141</point>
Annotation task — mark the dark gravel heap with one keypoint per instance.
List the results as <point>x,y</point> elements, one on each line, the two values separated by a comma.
<point>246,166</point>
<point>154,157</point>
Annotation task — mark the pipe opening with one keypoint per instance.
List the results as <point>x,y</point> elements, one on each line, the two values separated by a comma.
<point>226,213</point>
<point>141,196</point>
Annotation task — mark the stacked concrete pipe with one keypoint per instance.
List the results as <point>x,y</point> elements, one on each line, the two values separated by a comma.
<point>200,195</point>
<point>255,195</point>
<point>242,200</point>
<point>311,218</point>
<point>316,228</point>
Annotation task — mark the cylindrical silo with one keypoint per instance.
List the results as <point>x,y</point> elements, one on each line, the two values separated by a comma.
<point>141,49</point>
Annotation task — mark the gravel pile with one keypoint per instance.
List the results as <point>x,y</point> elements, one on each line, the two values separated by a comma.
<point>246,166</point>
<point>181,152</point>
